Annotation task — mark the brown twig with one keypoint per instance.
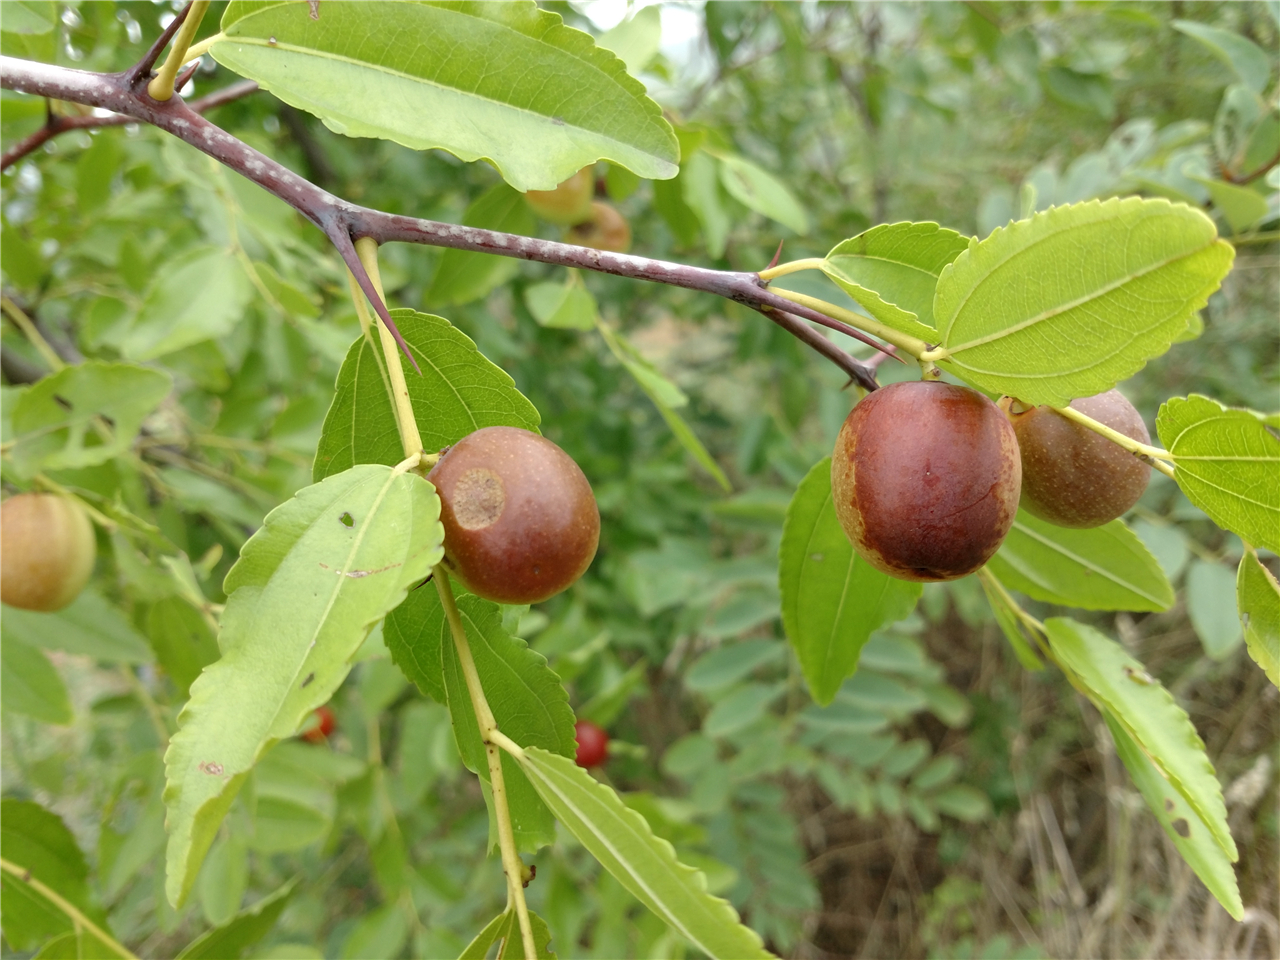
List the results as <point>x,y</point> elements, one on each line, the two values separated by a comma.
<point>57,124</point>
<point>344,223</point>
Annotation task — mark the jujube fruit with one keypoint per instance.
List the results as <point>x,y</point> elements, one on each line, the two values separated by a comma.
<point>1072,476</point>
<point>325,724</point>
<point>520,520</point>
<point>567,204</point>
<point>606,229</point>
<point>925,479</point>
<point>46,551</point>
<point>593,744</point>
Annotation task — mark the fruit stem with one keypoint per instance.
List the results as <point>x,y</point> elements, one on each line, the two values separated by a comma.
<point>795,266</point>
<point>78,920</point>
<point>161,86</point>
<point>489,734</point>
<point>1148,454</point>
<point>367,248</point>
<point>903,341</point>
<point>1036,628</point>
<point>32,333</point>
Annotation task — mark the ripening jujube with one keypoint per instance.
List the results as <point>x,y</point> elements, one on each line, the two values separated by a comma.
<point>604,229</point>
<point>47,551</point>
<point>520,520</point>
<point>1071,475</point>
<point>925,479</point>
<point>568,203</point>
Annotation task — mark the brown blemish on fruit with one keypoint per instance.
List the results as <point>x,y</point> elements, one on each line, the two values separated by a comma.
<point>478,499</point>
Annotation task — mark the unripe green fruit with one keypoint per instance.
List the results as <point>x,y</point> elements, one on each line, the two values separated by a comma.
<point>520,520</point>
<point>1072,476</point>
<point>925,480</point>
<point>46,551</point>
<point>568,203</point>
<point>606,229</point>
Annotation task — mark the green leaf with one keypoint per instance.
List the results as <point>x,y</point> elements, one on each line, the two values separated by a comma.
<point>200,295</point>
<point>459,392</point>
<point>36,840</point>
<point>1101,568</point>
<point>183,641</point>
<point>503,82</point>
<point>302,597</point>
<point>893,269</point>
<point>1118,684</point>
<point>505,927</point>
<point>30,17</point>
<point>730,663</point>
<point>635,41</point>
<point>1241,206</point>
<point>528,701</point>
<point>83,415</point>
<point>89,626</point>
<point>1184,826</point>
<point>621,839</point>
<point>665,396</point>
<point>1258,597</point>
<point>1227,463</point>
<point>1077,298</point>
<point>564,306</point>
<point>224,877</point>
<point>741,708</point>
<point>463,276</point>
<point>700,186</point>
<point>242,931</point>
<point>758,190</point>
<point>831,598</point>
<point>1011,625</point>
<point>1211,604</point>
<point>29,684</point>
<point>962,802</point>
<point>1245,58</point>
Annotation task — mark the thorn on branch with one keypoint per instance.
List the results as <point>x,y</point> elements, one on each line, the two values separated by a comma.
<point>776,254</point>
<point>337,232</point>
<point>185,76</point>
<point>140,72</point>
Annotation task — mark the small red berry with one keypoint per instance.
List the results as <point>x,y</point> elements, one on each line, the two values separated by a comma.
<point>593,744</point>
<point>326,723</point>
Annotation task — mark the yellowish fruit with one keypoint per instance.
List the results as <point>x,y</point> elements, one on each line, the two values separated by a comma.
<point>46,551</point>
<point>568,203</point>
<point>606,230</point>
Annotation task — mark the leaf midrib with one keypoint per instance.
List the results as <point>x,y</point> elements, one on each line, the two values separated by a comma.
<point>1064,307</point>
<point>1087,564</point>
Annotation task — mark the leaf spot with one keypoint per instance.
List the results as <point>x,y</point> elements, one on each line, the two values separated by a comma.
<point>307,682</point>
<point>1139,676</point>
<point>347,520</point>
<point>1168,804</point>
<point>816,557</point>
<point>62,402</point>
<point>1181,827</point>
<point>211,768</point>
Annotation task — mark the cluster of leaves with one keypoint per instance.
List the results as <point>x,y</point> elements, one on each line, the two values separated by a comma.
<point>216,323</point>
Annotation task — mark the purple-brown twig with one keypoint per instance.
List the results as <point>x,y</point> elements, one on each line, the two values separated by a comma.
<point>344,222</point>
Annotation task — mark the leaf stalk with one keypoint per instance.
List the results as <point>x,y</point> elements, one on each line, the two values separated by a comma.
<point>489,734</point>
<point>78,920</point>
<point>1148,454</point>
<point>161,86</point>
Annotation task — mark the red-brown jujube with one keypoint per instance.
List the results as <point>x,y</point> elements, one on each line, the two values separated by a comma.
<point>1072,476</point>
<point>925,479</point>
<point>520,520</point>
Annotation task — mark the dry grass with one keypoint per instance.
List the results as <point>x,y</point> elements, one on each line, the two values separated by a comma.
<point>1076,867</point>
